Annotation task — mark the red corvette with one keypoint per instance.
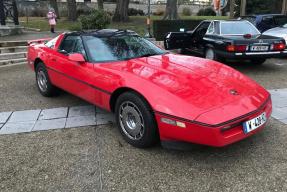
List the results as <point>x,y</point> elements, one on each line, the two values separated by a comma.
<point>154,94</point>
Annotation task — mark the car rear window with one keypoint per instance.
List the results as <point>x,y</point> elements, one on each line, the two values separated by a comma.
<point>237,28</point>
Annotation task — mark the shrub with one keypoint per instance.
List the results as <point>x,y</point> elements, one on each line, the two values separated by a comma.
<point>75,28</point>
<point>186,11</point>
<point>158,12</point>
<point>135,12</point>
<point>97,19</point>
<point>206,12</point>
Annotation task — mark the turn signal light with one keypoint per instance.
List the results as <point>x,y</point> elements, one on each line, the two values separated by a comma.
<point>279,46</point>
<point>236,48</point>
<point>173,122</point>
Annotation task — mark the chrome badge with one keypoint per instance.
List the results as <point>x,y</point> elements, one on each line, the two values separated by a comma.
<point>233,92</point>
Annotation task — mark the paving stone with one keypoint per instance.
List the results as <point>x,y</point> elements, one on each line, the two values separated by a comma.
<point>279,113</point>
<point>105,118</point>
<point>80,121</point>
<point>18,127</point>
<point>4,116</point>
<point>279,101</point>
<point>283,121</point>
<point>23,116</point>
<point>77,111</point>
<point>278,93</point>
<point>99,110</point>
<point>50,124</point>
<point>54,113</point>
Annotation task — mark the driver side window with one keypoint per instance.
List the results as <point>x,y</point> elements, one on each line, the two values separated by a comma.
<point>202,29</point>
<point>72,44</point>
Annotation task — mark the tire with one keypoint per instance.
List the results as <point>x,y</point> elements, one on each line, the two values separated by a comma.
<point>43,82</point>
<point>210,54</point>
<point>257,61</point>
<point>136,121</point>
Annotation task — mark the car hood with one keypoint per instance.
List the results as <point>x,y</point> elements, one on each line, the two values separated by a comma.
<point>187,86</point>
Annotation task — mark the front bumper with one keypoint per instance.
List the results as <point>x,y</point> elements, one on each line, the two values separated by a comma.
<point>211,135</point>
<point>252,55</point>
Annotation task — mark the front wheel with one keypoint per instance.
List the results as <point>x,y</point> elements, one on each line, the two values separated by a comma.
<point>44,84</point>
<point>135,120</point>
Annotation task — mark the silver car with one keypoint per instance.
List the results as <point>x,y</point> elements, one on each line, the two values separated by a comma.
<point>278,32</point>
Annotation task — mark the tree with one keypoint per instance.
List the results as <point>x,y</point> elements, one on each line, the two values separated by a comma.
<point>284,7</point>
<point>54,5</point>
<point>72,10</point>
<point>2,13</point>
<point>243,8</point>
<point>15,12</point>
<point>121,13</point>
<point>171,10</point>
<point>101,4</point>
<point>231,7</point>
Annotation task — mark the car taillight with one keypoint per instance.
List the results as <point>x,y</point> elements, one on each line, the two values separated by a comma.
<point>236,48</point>
<point>279,46</point>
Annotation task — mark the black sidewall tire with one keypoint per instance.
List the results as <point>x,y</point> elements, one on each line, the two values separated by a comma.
<point>150,136</point>
<point>51,89</point>
<point>216,57</point>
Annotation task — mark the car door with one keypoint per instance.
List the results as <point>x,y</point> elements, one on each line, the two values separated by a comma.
<point>72,76</point>
<point>177,40</point>
<point>197,40</point>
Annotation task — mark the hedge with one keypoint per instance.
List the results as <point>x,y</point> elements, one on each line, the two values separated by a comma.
<point>161,27</point>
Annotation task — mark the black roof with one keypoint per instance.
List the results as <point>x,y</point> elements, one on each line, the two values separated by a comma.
<point>104,32</point>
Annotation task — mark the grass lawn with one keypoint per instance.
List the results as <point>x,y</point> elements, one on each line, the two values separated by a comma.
<point>136,23</point>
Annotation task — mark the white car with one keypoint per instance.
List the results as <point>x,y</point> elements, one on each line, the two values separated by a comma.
<point>278,32</point>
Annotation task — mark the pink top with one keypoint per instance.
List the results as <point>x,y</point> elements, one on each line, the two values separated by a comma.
<point>51,17</point>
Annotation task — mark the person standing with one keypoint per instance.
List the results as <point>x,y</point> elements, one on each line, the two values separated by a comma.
<point>51,15</point>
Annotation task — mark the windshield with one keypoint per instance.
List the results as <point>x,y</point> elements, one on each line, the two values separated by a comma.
<point>238,28</point>
<point>281,20</point>
<point>102,49</point>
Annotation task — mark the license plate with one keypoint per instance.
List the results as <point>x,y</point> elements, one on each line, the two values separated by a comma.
<point>253,124</point>
<point>259,48</point>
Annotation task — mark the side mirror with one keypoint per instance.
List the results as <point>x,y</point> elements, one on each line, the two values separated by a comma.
<point>77,57</point>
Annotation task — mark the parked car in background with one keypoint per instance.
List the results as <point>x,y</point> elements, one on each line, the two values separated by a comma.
<point>267,21</point>
<point>227,39</point>
<point>278,32</point>
<point>155,95</point>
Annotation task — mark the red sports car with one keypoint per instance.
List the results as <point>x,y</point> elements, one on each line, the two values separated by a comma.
<point>155,95</point>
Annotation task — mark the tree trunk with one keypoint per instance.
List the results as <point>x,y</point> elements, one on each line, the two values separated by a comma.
<point>54,5</point>
<point>171,10</point>
<point>284,7</point>
<point>15,12</point>
<point>231,9</point>
<point>121,13</point>
<point>101,4</point>
<point>243,8</point>
<point>2,13</point>
<point>72,10</point>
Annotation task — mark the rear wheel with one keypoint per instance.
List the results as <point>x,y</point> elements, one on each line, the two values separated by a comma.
<point>135,120</point>
<point>43,82</point>
<point>258,61</point>
<point>210,54</point>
